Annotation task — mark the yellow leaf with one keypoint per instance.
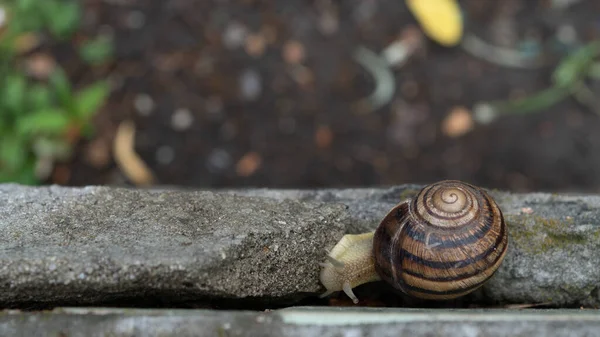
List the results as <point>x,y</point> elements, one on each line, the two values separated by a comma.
<point>440,19</point>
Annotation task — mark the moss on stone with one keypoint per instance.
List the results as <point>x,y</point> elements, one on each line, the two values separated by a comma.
<point>537,234</point>
<point>408,193</point>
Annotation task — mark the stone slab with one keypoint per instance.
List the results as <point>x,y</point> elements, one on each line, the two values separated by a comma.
<point>98,244</point>
<point>554,239</point>
<point>65,246</point>
<point>300,322</point>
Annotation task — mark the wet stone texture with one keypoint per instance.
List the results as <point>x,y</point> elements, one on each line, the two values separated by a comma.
<point>93,245</point>
<point>89,245</point>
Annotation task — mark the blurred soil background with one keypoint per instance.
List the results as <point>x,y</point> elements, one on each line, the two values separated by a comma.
<point>235,93</point>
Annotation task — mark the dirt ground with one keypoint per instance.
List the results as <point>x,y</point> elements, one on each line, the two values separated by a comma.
<point>237,93</point>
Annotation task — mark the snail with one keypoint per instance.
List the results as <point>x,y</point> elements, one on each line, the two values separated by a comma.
<point>444,243</point>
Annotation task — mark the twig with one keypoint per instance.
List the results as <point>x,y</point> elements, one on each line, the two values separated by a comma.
<point>586,96</point>
<point>127,159</point>
<point>499,55</point>
<point>385,85</point>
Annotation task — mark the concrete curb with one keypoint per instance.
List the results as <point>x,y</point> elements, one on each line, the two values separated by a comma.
<point>300,321</point>
<point>87,246</point>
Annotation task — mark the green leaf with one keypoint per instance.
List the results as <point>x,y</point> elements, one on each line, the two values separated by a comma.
<point>62,17</point>
<point>536,102</point>
<point>39,97</point>
<point>575,66</point>
<point>62,87</point>
<point>25,17</point>
<point>6,176</point>
<point>14,94</point>
<point>90,99</point>
<point>24,175</point>
<point>13,153</point>
<point>25,6</point>
<point>96,51</point>
<point>49,121</point>
<point>87,130</point>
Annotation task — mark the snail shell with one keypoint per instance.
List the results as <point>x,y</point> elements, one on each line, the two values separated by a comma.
<point>445,243</point>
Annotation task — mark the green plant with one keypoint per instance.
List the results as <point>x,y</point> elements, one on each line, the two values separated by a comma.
<point>568,79</point>
<point>38,119</point>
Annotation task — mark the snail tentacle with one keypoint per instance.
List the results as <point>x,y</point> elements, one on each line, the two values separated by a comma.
<point>347,287</point>
<point>349,264</point>
<point>334,262</point>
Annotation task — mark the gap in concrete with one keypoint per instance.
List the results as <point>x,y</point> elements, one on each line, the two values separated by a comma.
<point>371,295</point>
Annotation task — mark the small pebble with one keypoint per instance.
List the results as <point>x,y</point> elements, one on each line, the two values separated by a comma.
<point>143,104</point>
<point>396,53</point>
<point>165,155</point>
<point>484,113</point>
<point>248,164</point>
<point>293,52</point>
<point>526,210</point>
<point>250,84</point>
<point>97,153</point>
<point>135,20</point>
<point>323,137</point>
<point>457,123</point>
<point>44,167</point>
<point>329,23</point>
<point>182,119</point>
<point>303,76</point>
<point>255,45</point>
<point>566,34</point>
<point>234,35</point>
<point>219,160</point>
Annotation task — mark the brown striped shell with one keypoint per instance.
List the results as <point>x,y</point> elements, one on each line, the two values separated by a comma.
<point>445,243</point>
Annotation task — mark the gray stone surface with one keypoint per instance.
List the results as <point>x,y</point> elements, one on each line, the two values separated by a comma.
<point>554,240</point>
<point>301,322</point>
<point>82,245</point>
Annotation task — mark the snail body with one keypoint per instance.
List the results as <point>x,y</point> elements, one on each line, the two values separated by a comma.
<point>444,243</point>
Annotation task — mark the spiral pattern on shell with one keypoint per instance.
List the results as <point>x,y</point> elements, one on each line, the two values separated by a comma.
<point>444,243</point>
